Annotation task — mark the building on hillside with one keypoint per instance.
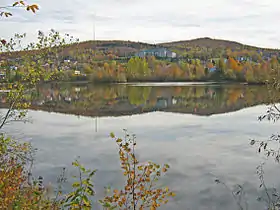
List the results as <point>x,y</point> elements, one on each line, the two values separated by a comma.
<point>212,69</point>
<point>67,61</point>
<point>13,68</point>
<point>2,75</point>
<point>157,52</point>
<point>76,72</point>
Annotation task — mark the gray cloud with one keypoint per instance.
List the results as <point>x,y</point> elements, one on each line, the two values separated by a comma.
<point>249,21</point>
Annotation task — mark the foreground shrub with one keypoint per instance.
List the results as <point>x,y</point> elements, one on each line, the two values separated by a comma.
<point>140,190</point>
<point>18,191</point>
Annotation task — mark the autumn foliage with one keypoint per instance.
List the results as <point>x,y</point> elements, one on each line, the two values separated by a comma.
<point>16,189</point>
<point>140,190</point>
<point>18,4</point>
<point>18,192</point>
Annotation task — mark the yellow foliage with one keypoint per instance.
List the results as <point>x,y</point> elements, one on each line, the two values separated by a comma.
<point>140,188</point>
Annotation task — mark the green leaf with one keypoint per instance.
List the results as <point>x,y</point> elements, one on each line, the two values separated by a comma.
<point>76,184</point>
<point>112,135</point>
<point>76,164</point>
<point>86,201</point>
<point>90,191</point>
<point>92,173</point>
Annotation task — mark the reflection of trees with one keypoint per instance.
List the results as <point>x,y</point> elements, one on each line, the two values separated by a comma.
<point>85,99</point>
<point>200,92</point>
<point>233,95</point>
<point>138,95</point>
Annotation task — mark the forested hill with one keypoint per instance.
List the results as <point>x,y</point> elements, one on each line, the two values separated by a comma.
<point>213,43</point>
<point>189,46</point>
<point>194,47</point>
<point>199,42</point>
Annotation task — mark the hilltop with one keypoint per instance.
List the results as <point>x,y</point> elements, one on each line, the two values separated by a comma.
<point>199,42</point>
<point>197,46</point>
<point>210,43</point>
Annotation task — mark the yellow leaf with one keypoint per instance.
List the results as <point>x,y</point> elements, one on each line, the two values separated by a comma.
<point>7,14</point>
<point>36,6</point>
<point>33,10</point>
<point>172,194</point>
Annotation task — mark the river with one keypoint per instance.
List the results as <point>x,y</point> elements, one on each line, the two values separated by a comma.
<point>202,131</point>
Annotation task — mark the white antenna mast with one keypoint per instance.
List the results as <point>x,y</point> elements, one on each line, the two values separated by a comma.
<point>94,26</point>
<point>94,48</point>
<point>93,30</point>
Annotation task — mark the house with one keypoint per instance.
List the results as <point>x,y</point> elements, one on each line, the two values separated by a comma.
<point>240,58</point>
<point>77,72</point>
<point>2,75</point>
<point>157,52</point>
<point>13,68</point>
<point>212,69</point>
<point>67,61</point>
<point>259,51</point>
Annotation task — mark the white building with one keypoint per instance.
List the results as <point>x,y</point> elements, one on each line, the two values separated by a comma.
<point>157,52</point>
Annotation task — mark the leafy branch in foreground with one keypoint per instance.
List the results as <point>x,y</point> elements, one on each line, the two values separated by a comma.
<point>237,193</point>
<point>17,188</point>
<point>140,190</point>
<point>271,146</point>
<point>272,197</point>
<point>4,10</point>
<point>82,189</point>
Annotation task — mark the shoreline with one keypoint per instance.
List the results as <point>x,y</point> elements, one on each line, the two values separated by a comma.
<point>152,82</point>
<point>156,82</point>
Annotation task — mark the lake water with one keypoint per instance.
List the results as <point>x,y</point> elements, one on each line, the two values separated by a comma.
<point>202,130</point>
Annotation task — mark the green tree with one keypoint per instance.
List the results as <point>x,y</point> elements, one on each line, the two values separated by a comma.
<point>137,68</point>
<point>249,73</point>
<point>87,68</point>
<point>138,95</point>
<point>230,74</point>
<point>222,65</point>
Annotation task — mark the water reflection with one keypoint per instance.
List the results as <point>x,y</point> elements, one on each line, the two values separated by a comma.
<point>117,100</point>
<point>199,149</point>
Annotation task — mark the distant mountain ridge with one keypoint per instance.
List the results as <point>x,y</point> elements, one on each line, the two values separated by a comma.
<point>123,47</point>
<point>206,42</point>
<point>213,43</point>
<point>198,42</point>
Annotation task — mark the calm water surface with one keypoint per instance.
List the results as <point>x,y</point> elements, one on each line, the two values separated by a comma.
<point>202,131</point>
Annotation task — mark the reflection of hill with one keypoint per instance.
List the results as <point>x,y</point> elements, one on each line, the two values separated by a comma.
<point>117,100</point>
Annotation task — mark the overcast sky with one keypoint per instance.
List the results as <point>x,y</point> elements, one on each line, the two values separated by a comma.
<point>254,22</point>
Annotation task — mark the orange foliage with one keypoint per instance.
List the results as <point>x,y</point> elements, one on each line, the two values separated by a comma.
<point>210,65</point>
<point>234,95</point>
<point>158,70</point>
<point>233,64</point>
<point>178,90</point>
<point>99,74</point>
<point>140,190</point>
<point>15,191</point>
<point>175,71</point>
